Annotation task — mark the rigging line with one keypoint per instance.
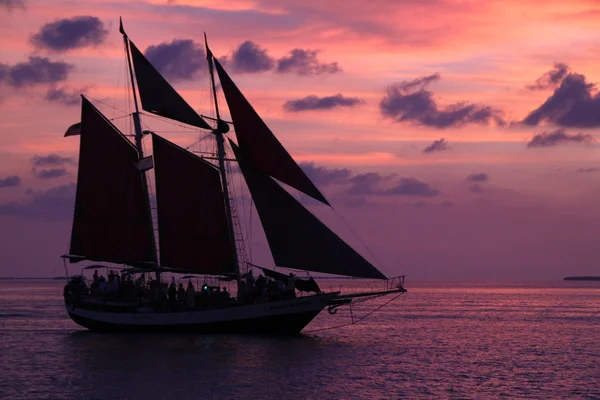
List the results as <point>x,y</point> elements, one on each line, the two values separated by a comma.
<point>358,320</point>
<point>340,216</point>
<point>108,105</point>
<point>169,121</point>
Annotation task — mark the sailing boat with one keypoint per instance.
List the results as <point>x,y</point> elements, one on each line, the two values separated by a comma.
<point>197,235</point>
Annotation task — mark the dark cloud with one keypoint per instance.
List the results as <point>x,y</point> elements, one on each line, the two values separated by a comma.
<point>575,103</point>
<point>480,177</point>
<point>52,203</point>
<point>412,187</point>
<point>37,70</point>
<point>50,173</point>
<point>72,33</point>
<point>51,160</point>
<point>324,175</point>
<point>476,188</point>
<point>304,62</point>
<point>591,169</point>
<point>559,136</point>
<point>446,203</point>
<point>12,4</point>
<point>550,79</point>
<point>10,181</point>
<point>67,97</point>
<point>179,60</point>
<point>411,101</point>
<point>369,183</point>
<point>437,145</point>
<point>365,183</point>
<point>249,58</point>
<point>321,103</point>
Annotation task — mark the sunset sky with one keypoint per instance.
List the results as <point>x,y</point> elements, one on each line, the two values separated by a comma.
<point>458,139</point>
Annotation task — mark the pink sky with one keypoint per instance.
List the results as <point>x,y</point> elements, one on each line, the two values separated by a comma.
<point>497,208</point>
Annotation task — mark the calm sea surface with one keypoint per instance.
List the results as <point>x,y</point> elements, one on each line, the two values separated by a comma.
<point>440,340</point>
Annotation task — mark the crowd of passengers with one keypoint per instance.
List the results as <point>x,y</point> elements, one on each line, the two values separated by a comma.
<point>174,297</point>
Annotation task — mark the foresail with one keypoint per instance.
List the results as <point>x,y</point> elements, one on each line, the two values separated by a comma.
<point>112,217</point>
<point>158,96</point>
<point>297,239</point>
<point>192,225</point>
<point>264,150</point>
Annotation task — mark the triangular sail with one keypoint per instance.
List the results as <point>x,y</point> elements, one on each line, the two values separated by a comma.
<point>112,218</point>
<point>264,150</point>
<point>158,96</point>
<point>192,225</point>
<point>297,239</point>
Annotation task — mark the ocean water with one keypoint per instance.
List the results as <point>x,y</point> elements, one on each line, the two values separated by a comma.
<point>441,340</point>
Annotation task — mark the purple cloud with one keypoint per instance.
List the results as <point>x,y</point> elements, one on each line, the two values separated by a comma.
<point>71,33</point>
<point>180,59</point>
<point>559,136</point>
<point>550,79</point>
<point>591,169</point>
<point>575,103</point>
<point>412,187</point>
<point>364,183</point>
<point>321,103</point>
<point>476,188</point>
<point>249,58</point>
<point>324,175</point>
<point>54,203</point>
<point>38,70</point>
<point>50,173</point>
<point>12,4</point>
<point>480,177</point>
<point>446,203</point>
<point>64,96</point>
<point>410,101</point>
<point>10,181</point>
<point>304,62</point>
<point>437,145</point>
<point>51,160</point>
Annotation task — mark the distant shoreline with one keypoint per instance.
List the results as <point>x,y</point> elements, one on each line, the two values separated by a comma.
<point>581,278</point>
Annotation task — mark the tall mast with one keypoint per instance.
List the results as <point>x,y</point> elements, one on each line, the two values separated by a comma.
<point>137,125</point>
<point>221,129</point>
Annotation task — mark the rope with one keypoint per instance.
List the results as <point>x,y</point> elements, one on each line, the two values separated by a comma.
<point>358,320</point>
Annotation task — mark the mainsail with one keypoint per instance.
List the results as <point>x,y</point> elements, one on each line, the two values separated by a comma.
<point>192,225</point>
<point>264,151</point>
<point>158,96</point>
<point>112,218</point>
<point>297,239</point>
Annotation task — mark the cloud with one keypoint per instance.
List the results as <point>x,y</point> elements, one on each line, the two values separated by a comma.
<point>410,101</point>
<point>64,96</point>
<point>50,173</point>
<point>12,4</point>
<point>249,58</point>
<point>591,169</point>
<point>559,136</point>
<point>179,60</point>
<point>304,62</point>
<point>365,183</point>
<point>550,79</point>
<point>51,160</point>
<point>37,70</point>
<point>72,33</point>
<point>437,145</point>
<point>53,203</point>
<point>324,175</point>
<point>575,103</point>
<point>412,187</point>
<point>446,203</point>
<point>10,181</point>
<point>480,177</point>
<point>476,188</point>
<point>321,103</point>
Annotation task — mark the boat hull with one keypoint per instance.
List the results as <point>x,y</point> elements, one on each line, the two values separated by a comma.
<point>285,317</point>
